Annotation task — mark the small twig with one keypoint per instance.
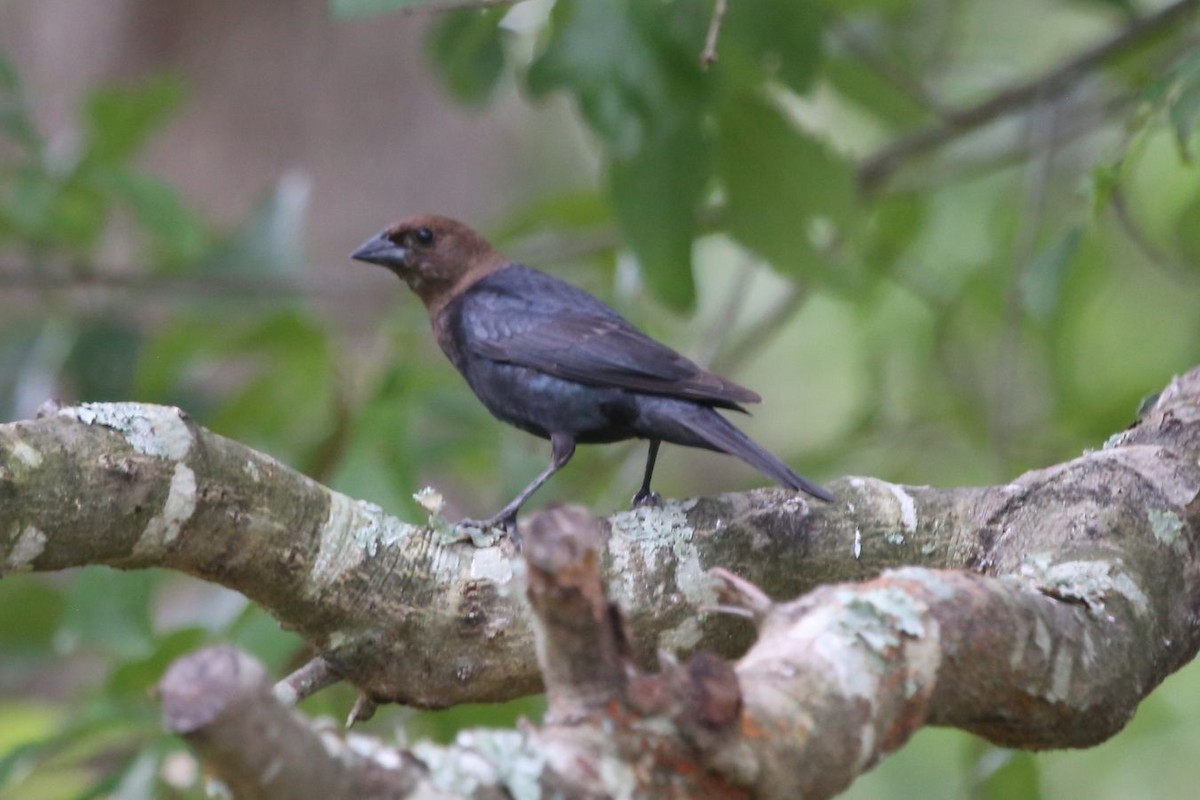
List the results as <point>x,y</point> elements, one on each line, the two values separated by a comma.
<point>741,596</point>
<point>1154,254</point>
<point>767,327</point>
<point>876,170</point>
<point>709,55</point>
<point>729,313</point>
<point>1040,132</point>
<point>1078,121</point>
<point>886,68</point>
<point>306,681</point>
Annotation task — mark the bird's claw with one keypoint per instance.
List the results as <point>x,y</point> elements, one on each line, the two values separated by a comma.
<point>484,532</point>
<point>645,499</point>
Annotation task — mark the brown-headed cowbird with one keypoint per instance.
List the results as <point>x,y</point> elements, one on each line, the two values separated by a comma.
<point>552,360</point>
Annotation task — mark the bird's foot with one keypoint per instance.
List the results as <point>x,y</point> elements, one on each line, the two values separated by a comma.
<point>646,499</point>
<point>486,532</point>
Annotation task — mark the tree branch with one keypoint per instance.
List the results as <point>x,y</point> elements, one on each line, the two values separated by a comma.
<point>220,701</point>
<point>708,56</point>
<point>878,168</point>
<point>1039,612</point>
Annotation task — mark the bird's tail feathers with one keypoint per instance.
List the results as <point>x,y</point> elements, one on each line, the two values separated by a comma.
<point>717,433</point>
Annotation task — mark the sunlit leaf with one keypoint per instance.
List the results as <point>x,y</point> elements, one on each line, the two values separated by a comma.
<point>656,198</point>
<point>781,38</point>
<point>779,182</point>
<point>599,53</point>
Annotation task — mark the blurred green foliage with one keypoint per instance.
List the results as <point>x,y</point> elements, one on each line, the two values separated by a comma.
<point>997,303</point>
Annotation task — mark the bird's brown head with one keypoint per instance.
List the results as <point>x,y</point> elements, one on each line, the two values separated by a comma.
<point>437,257</point>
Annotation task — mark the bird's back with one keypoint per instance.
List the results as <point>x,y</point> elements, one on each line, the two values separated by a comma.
<point>518,315</point>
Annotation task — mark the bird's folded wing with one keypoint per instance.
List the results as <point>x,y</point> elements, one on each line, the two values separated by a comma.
<point>598,349</point>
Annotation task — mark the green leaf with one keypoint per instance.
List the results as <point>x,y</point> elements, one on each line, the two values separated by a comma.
<point>466,47</point>
<point>569,211</point>
<point>103,361</point>
<point>1186,231</point>
<point>778,182</point>
<point>10,82</point>
<point>872,92</point>
<point>896,221</point>
<point>1001,774</point>
<point>1185,112</point>
<point>30,610</point>
<point>110,612</point>
<point>656,198</point>
<point>1104,180</point>
<point>1042,281</point>
<point>287,404</point>
<point>76,217</point>
<point>135,678</point>
<point>120,119</point>
<point>599,53</point>
<point>177,236</point>
<point>16,121</point>
<point>780,37</point>
<point>351,9</point>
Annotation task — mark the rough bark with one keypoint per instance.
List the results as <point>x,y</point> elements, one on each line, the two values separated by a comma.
<point>1037,613</point>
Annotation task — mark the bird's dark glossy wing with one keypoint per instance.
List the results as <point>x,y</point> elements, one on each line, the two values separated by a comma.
<point>521,316</point>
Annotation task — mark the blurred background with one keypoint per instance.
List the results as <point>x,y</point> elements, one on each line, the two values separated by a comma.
<point>947,240</point>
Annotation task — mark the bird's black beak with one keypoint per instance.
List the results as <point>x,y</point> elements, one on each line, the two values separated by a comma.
<point>381,250</point>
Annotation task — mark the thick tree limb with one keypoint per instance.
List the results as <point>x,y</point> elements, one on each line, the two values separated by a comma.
<point>611,730</point>
<point>1088,576</point>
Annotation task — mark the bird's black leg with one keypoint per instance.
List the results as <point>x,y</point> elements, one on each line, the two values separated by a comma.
<point>562,447</point>
<point>645,497</point>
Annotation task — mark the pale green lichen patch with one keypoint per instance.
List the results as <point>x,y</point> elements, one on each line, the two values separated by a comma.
<point>29,545</point>
<point>491,563</point>
<point>894,537</point>
<point>933,581</point>
<point>664,522</point>
<point>882,616</point>
<point>1091,582</point>
<point>479,759</point>
<point>648,541</point>
<point>354,531</point>
<point>1060,677</point>
<point>178,508</point>
<point>151,430</point>
<point>908,507</point>
<point>1168,529</point>
<point>24,453</point>
<point>640,536</point>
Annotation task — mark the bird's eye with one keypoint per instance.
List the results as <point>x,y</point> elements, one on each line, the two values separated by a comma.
<point>424,236</point>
